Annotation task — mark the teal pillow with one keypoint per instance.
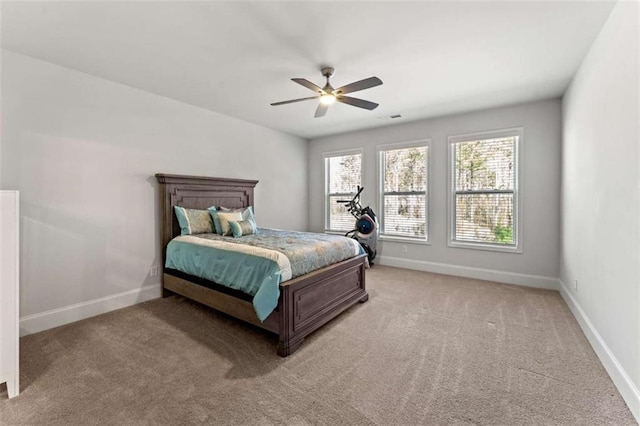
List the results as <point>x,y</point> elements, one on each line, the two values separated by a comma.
<point>242,227</point>
<point>216,220</point>
<point>193,221</point>
<point>247,215</point>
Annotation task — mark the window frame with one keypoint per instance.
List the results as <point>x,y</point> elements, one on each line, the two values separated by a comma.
<point>517,247</point>
<point>380,149</point>
<point>325,179</point>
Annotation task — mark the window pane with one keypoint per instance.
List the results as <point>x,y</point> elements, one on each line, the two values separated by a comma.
<point>344,173</point>
<point>485,218</point>
<point>405,169</point>
<point>485,164</point>
<point>343,177</point>
<point>404,215</point>
<point>339,218</point>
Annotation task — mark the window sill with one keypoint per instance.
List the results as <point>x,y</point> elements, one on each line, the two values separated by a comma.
<point>485,247</point>
<point>404,240</point>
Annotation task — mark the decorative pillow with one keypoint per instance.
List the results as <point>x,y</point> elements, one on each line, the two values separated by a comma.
<point>225,218</point>
<point>247,214</point>
<point>242,227</point>
<point>193,221</point>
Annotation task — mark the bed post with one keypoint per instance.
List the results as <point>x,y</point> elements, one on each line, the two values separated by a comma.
<point>286,343</point>
<point>165,228</point>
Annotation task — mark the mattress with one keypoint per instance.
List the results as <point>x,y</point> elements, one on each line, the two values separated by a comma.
<point>257,264</point>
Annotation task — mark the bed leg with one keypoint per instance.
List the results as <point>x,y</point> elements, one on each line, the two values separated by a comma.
<point>166,293</point>
<point>364,298</point>
<point>285,349</point>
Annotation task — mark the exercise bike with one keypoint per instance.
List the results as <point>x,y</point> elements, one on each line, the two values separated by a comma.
<point>366,230</point>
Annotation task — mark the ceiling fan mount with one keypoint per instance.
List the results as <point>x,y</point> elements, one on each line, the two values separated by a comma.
<point>327,72</point>
<point>327,95</point>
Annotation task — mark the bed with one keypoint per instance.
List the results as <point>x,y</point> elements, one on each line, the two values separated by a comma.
<point>305,303</point>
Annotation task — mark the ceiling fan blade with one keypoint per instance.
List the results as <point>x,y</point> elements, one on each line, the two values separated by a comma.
<point>321,110</point>
<point>358,85</point>
<point>309,85</point>
<point>294,100</point>
<point>360,103</point>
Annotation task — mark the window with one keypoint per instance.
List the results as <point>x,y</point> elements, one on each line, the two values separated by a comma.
<point>403,190</point>
<point>484,190</point>
<point>343,174</point>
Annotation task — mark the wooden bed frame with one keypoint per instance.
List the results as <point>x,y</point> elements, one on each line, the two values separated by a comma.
<point>306,302</point>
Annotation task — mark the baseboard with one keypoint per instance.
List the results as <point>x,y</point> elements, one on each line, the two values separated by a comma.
<point>65,315</point>
<point>536,281</point>
<point>629,391</point>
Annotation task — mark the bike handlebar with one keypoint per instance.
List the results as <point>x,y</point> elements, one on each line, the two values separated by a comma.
<point>355,197</point>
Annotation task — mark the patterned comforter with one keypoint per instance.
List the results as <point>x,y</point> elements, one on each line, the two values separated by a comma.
<point>257,264</point>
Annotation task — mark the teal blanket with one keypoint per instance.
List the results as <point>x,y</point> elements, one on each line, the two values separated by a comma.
<point>257,264</point>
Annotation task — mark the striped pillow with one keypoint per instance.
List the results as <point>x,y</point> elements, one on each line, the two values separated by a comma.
<point>242,227</point>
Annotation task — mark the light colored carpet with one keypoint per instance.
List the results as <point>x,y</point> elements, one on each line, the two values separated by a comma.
<point>425,349</point>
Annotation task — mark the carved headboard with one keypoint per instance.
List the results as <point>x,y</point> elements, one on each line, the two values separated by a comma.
<point>198,192</point>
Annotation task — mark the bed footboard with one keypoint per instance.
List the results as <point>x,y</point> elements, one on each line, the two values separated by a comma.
<point>308,302</point>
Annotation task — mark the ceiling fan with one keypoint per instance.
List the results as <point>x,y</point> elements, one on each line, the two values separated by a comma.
<point>328,95</point>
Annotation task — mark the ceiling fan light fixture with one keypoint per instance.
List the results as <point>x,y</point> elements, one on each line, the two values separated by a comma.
<point>327,99</point>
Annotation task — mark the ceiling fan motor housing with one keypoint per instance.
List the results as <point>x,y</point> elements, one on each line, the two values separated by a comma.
<point>327,71</point>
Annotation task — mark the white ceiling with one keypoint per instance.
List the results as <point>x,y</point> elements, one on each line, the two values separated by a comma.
<point>236,58</point>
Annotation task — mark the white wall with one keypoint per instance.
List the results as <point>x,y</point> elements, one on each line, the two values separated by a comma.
<point>601,199</point>
<point>83,152</point>
<point>540,186</point>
